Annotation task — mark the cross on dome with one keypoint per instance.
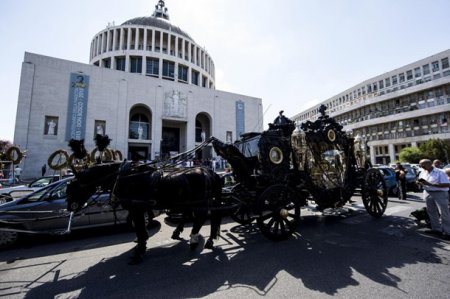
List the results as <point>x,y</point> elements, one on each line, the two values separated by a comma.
<point>161,11</point>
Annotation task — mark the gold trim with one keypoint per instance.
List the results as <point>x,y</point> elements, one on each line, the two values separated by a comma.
<point>276,155</point>
<point>331,135</point>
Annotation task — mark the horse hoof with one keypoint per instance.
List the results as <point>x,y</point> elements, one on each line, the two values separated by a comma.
<point>176,235</point>
<point>209,244</point>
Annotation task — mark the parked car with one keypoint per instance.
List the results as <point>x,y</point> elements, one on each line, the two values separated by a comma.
<point>411,177</point>
<point>11,193</point>
<point>389,179</point>
<point>44,211</point>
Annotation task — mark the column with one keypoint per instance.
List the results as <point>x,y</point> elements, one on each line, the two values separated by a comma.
<point>176,46</point>
<point>114,37</point>
<point>144,65</point>
<point>108,40</point>
<point>144,45</point>
<point>372,154</point>
<point>391,151</point>
<point>127,63</point>
<point>121,39</point>
<point>128,38</point>
<point>153,41</point>
<point>136,40</point>
<point>169,43</point>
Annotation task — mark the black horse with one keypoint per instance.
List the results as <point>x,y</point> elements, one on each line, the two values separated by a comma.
<point>141,187</point>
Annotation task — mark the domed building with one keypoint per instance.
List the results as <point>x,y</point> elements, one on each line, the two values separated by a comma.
<point>148,86</point>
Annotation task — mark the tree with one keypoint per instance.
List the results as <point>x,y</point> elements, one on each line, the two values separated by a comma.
<point>4,145</point>
<point>435,149</point>
<point>411,155</point>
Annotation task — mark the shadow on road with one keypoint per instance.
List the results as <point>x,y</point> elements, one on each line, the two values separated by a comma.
<point>324,255</point>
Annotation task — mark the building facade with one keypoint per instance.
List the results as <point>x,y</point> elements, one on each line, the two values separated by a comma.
<point>401,108</point>
<point>148,86</point>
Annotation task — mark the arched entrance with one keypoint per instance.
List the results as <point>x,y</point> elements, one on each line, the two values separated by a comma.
<point>202,132</point>
<point>139,133</point>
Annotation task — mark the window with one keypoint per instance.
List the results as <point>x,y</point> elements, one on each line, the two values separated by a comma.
<point>444,62</point>
<point>120,63</point>
<point>435,66</point>
<point>195,76</point>
<point>135,64</point>
<point>426,69</point>
<point>51,126</point>
<point>387,82</point>
<point>139,127</point>
<point>183,73</point>
<point>417,72</point>
<point>401,77</point>
<point>394,80</point>
<point>152,67</point>
<point>198,131</point>
<point>168,69</point>
<point>99,127</point>
<point>204,81</point>
<point>381,84</point>
<point>409,75</point>
<point>107,63</point>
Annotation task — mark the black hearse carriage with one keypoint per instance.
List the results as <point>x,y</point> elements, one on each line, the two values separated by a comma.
<point>282,168</point>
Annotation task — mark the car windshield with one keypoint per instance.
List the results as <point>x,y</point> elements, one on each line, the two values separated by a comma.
<point>42,182</point>
<point>54,192</point>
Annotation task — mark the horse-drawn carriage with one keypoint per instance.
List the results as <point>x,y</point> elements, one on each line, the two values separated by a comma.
<point>277,172</point>
<point>282,168</point>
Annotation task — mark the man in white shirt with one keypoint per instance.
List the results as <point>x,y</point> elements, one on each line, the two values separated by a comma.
<point>436,183</point>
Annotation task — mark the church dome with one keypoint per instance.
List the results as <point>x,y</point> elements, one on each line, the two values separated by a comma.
<point>153,47</point>
<point>157,22</point>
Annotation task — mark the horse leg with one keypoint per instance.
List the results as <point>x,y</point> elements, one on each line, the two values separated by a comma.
<point>180,227</point>
<point>138,218</point>
<point>216,221</point>
<point>199,220</point>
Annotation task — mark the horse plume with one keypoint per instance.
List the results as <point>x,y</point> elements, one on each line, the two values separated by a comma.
<point>78,149</point>
<point>102,142</point>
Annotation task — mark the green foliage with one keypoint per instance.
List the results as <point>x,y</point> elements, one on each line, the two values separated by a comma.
<point>4,145</point>
<point>435,149</point>
<point>411,155</point>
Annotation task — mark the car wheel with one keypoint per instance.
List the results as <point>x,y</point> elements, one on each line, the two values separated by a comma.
<point>8,239</point>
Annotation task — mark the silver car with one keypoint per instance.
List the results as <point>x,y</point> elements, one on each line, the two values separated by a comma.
<point>44,212</point>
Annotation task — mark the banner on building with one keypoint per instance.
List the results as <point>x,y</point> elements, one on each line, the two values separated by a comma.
<point>77,109</point>
<point>240,118</point>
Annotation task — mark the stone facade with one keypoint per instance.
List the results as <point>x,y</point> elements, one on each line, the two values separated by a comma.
<point>113,96</point>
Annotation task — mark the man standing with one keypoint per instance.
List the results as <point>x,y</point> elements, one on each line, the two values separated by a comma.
<point>400,175</point>
<point>436,185</point>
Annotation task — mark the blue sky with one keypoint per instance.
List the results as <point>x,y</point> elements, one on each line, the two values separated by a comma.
<point>291,53</point>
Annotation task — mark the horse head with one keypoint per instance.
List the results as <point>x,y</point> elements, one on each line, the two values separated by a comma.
<point>99,177</point>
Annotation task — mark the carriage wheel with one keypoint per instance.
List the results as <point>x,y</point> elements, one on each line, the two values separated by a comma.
<point>374,193</point>
<point>278,212</point>
<point>243,214</point>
